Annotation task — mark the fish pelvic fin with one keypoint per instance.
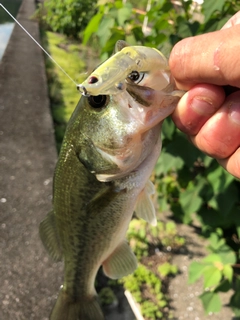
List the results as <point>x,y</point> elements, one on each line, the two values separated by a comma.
<point>121,262</point>
<point>85,309</point>
<point>49,236</point>
<point>144,207</point>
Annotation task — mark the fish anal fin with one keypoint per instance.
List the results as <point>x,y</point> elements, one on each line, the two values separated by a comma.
<point>144,208</point>
<point>49,236</point>
<point>121,262</point>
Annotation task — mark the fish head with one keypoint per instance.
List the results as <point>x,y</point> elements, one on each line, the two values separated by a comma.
<point>116,133</point>
<point>124,103</point>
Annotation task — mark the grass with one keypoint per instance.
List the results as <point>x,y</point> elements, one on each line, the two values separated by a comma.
<point>77,60</point>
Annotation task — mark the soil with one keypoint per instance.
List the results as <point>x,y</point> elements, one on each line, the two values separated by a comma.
<point>185,303</point>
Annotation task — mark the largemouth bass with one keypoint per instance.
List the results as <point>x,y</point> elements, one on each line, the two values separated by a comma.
<point>111,145</point>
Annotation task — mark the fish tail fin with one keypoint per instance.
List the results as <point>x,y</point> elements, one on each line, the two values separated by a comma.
<point>84,309</point>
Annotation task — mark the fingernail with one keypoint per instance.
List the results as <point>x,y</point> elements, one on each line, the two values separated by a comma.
<point>202,106</point>
<point>234,112</point>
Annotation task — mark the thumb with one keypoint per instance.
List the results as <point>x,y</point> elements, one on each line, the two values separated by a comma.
<point>208,58</point>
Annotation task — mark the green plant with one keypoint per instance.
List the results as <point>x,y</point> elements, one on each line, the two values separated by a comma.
<point>148,283</point>
<point>167,268</point>
<point>62,92</point>
<point>115,20</point>
<point>107,296</point>
<point>143,237</point>
<point>69,17</point>
<point>146,288</point>
<point>217,270</point>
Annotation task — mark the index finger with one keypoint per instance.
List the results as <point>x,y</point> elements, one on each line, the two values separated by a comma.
<point>232,21</point>
<point>209,58</point>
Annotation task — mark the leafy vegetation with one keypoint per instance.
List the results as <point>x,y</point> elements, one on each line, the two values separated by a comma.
<point>12,6</point>
<point>189,183</point>
<point>72,57</point>
<point>69,16</point>
<point>148,284</point>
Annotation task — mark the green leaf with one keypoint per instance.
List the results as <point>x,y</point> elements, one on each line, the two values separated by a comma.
<point>209,216</point>
<point>212,276</point>
<point>190,199</point>
<point>104,31</point>
<point>194,27</point>
<point>168,129</point>
<point>211,302</point>
<point>228,272</point>
<point>224,286</point>
<point>227,255</point>
<point>196,270</point>
<point>238,231</point>
<point>234,303</point>
<point>123,15</point>
<point>210,6</point>
<point>184,31</point>
<point>181,147</point>
<point>219,179</point>
<point>211,258</point>
<point>207,160</point>
<point>215,242</point>
<point>92,27</point>
<point>168,162</point>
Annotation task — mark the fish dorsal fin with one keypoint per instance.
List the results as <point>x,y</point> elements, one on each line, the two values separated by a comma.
<point>120,44</point>
<point>144,207</point>
<point>121,262</point>
<point>49,236</point>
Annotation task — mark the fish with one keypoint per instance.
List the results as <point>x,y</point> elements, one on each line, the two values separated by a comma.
<point>109,150</point>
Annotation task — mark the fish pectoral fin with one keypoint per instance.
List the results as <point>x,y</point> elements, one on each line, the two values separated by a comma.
<point>121,262</point>
<point>144,208</point>
<point>102,199</point>
<point>49,236</point>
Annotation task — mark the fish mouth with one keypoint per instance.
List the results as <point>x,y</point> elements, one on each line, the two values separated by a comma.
<point>141,94</point>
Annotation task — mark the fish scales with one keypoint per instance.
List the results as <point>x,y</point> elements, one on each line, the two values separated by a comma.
<point>111,145</point>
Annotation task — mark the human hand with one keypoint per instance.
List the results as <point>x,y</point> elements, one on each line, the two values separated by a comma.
<point>204,65</point>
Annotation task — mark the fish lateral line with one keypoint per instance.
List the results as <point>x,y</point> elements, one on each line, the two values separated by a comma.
<point>48,54</point>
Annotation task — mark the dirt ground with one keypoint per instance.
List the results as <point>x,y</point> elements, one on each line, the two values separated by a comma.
<point>185,303</point>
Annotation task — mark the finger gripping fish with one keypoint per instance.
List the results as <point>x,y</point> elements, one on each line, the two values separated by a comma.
<point>111,145</point>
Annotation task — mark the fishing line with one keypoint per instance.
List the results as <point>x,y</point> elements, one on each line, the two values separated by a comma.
<point>38,44</point>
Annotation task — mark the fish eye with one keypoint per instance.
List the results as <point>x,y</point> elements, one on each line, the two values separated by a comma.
<point>98,102</point>
<point>136,76</point>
